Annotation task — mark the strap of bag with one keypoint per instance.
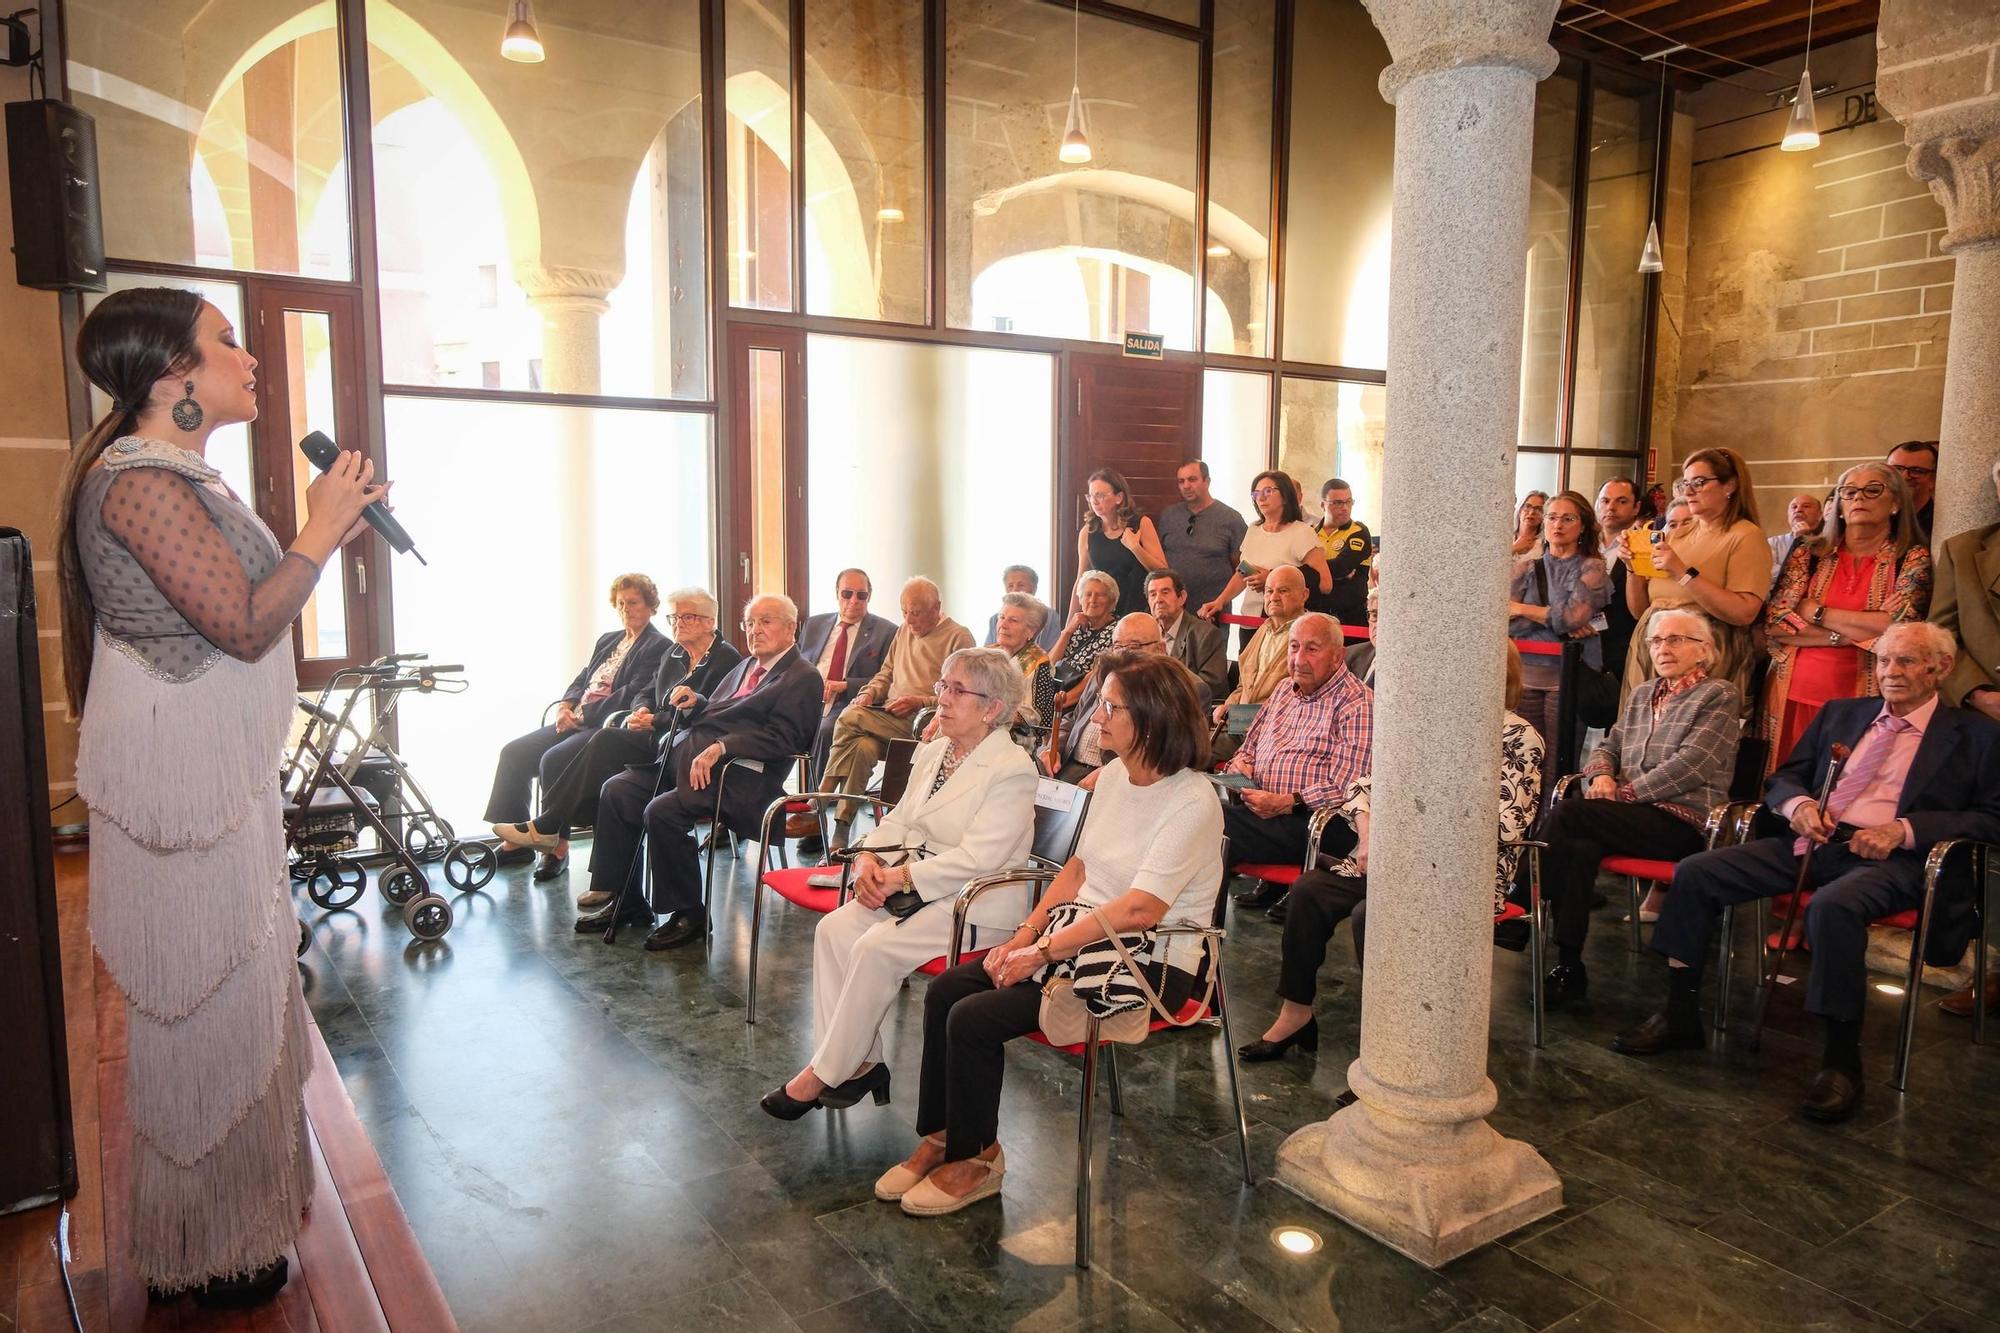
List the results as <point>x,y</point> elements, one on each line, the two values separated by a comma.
<point>1146,987</point>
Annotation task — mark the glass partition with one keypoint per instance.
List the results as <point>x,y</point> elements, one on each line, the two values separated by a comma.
<point>757,66</point>
<point>1239,178</point>
<point>531,508</point>
<point>864,161</point>
<point>221,132</point>
<point>1611,316</point>
<point>1334,428</point>
<point>963,437</point>
<point>1092,250</point>
<point>1551,190</point>
<point>1338,190</point>
<point>1235,433</point>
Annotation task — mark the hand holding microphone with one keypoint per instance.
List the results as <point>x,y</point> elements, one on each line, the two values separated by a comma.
<point>349,475</point>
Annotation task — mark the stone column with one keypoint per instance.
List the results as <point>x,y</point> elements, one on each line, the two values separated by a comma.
<point>1938,73</point>
<point>570,302</point>
<point>1414,1163</point>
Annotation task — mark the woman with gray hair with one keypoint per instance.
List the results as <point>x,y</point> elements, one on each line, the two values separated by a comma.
<point>1865,571</point>
<point>1652,782</point>
<point>969,810</point>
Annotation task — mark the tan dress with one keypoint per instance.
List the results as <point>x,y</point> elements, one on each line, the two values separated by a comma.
<point>190,903</point>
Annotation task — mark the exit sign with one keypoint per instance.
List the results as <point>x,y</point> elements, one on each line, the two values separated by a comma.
<point>1152,346</point>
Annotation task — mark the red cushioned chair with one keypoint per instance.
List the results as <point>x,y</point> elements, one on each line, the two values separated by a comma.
<point>1287,873</point>
<point>1087,1049</point>
<point>1918,922</point>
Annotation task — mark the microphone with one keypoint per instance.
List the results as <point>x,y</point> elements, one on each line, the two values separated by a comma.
<point>322,452</point>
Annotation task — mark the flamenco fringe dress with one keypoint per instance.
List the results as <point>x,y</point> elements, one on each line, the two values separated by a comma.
<point>190,905</point>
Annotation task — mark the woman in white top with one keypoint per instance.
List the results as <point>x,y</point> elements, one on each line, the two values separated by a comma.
<point>1150,856</point>
<point>970,807</point>
<point>1282,538</point>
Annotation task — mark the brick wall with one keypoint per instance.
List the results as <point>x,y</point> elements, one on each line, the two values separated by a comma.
<point>1818,302</point>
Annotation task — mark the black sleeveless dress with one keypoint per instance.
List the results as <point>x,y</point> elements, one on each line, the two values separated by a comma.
<point>1110,555</point>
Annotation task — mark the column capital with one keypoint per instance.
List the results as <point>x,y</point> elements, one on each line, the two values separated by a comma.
<point>1963,171</point>
<point>1430,36</point>
<point>588,288</point>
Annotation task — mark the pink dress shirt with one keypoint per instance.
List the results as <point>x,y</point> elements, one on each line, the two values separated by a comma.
<point>1876,802</point>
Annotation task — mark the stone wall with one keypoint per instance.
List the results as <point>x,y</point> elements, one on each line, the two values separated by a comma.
<point>1818,300</point>
<point>34,442</point>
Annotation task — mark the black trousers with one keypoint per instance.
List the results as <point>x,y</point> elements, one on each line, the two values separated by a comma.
<point>627,807</point>
<point>1320,901</point>
<point>570,801</point>
<point>967,1025</point>
<point>1280,839</point>
<point>543,752</point>
<point>1580,833</point>
<point>1848,893</point>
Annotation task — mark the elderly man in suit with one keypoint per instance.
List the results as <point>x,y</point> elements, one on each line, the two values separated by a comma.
<point>1965,603</point>
<point>762,714</point>
<point>1918,773</point>
<point>1190,640</point>
<point>847,646</point>
<point>1074,754</point>
<point>1261,668</point>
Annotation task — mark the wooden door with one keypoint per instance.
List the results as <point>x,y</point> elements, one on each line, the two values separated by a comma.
<point>767,441</point>
<point>1142,418</point>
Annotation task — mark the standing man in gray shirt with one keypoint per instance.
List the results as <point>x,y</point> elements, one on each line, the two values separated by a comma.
<point>1202,537</point>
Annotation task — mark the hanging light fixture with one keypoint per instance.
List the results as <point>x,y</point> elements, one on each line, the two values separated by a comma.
<point>1649,254</point>
<point>1802,130</point>
<point>521,42</point>
<point>1075,148</point>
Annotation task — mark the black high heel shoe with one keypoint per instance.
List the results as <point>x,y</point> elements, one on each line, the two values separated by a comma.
<point>781,1104</point>
<point>1306,1037</point>
<point>873,1083</point>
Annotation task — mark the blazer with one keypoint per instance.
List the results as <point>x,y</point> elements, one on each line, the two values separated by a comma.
<point>1256,689</point>
<point>1686,756</point>
<point>1951,791</point>
<point>1200,650</point>
<point>864,654</point>
<point>982,820</point>
<point>638,667</point>
<point>1965,599</point>
<point>674,673</point>
<point>770,724</point>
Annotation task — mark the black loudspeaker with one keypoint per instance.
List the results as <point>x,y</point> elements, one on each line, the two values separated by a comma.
<point>58,221</point>
<point>37,1147</point>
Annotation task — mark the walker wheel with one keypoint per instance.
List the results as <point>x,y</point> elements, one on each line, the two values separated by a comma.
<point>401,885</point>
<point>429,917</point>
<point>469,865</point>
<point>334,883</point>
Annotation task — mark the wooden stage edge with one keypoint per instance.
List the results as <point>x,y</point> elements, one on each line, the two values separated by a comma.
<point>355,1267</point>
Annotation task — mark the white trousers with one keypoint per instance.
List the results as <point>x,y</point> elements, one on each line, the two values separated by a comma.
<point>860,957</point>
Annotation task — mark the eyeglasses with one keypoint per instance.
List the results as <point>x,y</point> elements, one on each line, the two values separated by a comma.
<point>945,689</point>
<point>1912,471</point>
<point>762,622</point>
<point>1264,492</point>
<point>854,594</point>
<point>1694,485</point>
<point>1134,645</point>
<point>1670,641</point>
<point>1106,707</point>
<point>1874,490</point>
<point>688,617</point>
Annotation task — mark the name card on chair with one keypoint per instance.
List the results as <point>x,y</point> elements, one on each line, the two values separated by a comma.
<point>1053,795</point>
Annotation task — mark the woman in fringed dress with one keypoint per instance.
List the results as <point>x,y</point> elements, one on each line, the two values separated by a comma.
<point>176,607</point>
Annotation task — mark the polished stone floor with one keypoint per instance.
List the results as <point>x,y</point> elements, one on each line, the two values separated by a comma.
<point>573,1130</point>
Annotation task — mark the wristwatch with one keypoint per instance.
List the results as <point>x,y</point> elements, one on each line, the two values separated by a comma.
<point>1819,614</point>
<point>1042,948</point>
<point>1689,577</point>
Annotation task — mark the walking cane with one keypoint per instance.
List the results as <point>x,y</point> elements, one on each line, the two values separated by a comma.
<point>626,886</point>
<point>1770,979</point>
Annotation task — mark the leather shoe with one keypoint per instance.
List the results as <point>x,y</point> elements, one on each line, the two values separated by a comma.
<point>1278,910</point>
<point>781,1104</point>
<point>513,856</point>
<point>1564,985</point>
<point>551,866</point>
<point>1263,895</point>
<point>637,915</point>
<point>874,1083</point>
<point>800,826</point>
<point>246,1292</point>
<point>1305,1037</point>
<point>1655,1035</point>
<point>1959,1002</point>
<point>678,929</point>
<point>1833,1097</point>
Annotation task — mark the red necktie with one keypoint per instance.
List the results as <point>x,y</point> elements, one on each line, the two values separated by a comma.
<point>750,680</point>
<point>837,668</point>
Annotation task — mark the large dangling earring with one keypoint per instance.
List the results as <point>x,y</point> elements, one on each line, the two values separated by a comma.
<point>187,412</point>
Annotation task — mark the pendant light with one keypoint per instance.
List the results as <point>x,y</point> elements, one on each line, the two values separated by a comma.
<point>1075,148</point>
<point>1649,254</point>
<point>521,43</point>
<point>1802,130</point>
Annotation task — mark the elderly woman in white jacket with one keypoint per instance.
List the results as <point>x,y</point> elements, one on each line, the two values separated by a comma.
<point>970,807</point>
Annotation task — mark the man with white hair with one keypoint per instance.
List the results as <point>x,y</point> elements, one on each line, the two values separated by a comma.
<point>762,713</point>
<point>1916,774</point>
<point>1313,738</point>
<point>886,707</point>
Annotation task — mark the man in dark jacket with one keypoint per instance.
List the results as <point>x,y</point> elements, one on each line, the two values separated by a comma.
<point>1917,773</point>
<point>847,646</point>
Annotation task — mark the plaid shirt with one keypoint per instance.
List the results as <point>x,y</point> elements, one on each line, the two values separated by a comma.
<point>1315,745</point>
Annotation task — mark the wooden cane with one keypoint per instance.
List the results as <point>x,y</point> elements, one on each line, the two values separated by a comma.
<point>1837,763</point>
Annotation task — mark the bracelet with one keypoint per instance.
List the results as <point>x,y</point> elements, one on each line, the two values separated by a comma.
<point>1042,948</point>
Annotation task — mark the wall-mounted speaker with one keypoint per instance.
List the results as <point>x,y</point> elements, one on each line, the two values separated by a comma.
<point>52,176</point>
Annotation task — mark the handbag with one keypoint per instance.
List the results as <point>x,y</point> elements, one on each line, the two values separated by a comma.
<point>1065,1015</point>
<point>903,903</point>
<point>1596,689</point>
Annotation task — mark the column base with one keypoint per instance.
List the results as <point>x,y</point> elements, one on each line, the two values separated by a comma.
<point>1432,1192</point>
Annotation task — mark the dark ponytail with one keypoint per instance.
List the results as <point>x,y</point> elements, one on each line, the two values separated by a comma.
<point>129,341</point>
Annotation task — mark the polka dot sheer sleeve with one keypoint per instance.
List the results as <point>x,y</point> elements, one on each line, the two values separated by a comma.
<point>155,514</point>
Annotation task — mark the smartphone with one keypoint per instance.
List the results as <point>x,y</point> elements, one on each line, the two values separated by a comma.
<point>1245,568</point>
